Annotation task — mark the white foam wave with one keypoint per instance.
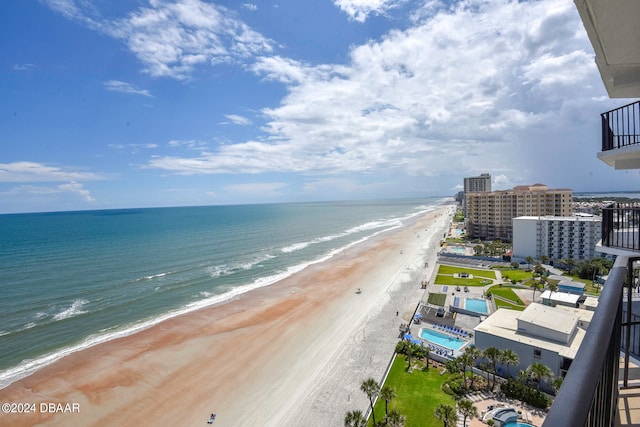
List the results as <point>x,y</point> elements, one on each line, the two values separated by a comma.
<point>74,310</point>
<point>295,247</point>
<point>224,269</point>
<point>372,225</point>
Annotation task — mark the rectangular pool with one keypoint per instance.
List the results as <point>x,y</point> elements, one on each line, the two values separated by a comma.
<point>477,305</point>
<point>443,340</point>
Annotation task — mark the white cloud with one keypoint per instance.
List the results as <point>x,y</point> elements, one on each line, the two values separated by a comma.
<point>238,120</point>
<point>78,188</point>
<point>171,38</point>
<point>465,88</point>
<point>24,67</point>
<point>124,87</point>
<point>37,172</point>
<point>250,6</point>
<point>359,10</point>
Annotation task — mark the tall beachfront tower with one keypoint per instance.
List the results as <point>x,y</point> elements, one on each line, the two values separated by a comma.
<point>489,214</point>
<point>478,183</point>
<point>472,184</point>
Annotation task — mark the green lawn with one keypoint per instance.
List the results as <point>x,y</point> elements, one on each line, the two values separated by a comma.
<point>437,299</point>
<point>418,394</point>
<point>505,292</point>
<point>453,281</point>
<point>448,269</point>
<point>518,275</point>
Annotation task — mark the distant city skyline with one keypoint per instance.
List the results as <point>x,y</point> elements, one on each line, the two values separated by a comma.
<point>190,102</point>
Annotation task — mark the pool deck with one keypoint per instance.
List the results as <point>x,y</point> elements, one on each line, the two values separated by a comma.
<point>483,401</point>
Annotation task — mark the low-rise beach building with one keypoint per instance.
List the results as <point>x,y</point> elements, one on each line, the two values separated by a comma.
<point>540,333</point>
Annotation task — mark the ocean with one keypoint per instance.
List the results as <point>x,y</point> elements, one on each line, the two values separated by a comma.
<point>70,280</point>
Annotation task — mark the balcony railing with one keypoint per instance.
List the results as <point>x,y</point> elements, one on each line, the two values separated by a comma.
<point>621,127</point>
<point>621,226</point>
<point>589,394</point>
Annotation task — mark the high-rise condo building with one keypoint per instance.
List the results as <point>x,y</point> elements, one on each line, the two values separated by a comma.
<point>489,215</point>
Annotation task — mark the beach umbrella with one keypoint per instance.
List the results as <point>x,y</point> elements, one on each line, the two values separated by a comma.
<point>418,316</point>
<point>408,336</point>
<point>416,341</point>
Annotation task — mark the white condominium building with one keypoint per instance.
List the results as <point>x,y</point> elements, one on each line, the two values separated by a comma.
<point>556,237</point>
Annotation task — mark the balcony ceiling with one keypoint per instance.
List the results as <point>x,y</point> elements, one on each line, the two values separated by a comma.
<point>622,158</point>
<point>613,27</point>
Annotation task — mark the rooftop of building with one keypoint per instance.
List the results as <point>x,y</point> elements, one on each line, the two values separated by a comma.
<point>504,323</point>
<point>579,217</point>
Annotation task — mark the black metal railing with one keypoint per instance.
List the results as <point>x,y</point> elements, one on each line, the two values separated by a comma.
<point>621,226</point>
<point>621,127</point>
<point>589,394</point>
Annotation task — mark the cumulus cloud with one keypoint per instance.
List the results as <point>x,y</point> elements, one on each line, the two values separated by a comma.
<point>359,10</point>
<point>78,188</point>
<point>171,38</point>
<point>464,87</point>
<point>124,87</point>
<point>37,172</point>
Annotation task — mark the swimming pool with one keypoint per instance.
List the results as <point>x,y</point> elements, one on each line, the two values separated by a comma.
<point>443,340</point>
<point>517,424</point>
<point>477,305</point>
<point>456,250</point>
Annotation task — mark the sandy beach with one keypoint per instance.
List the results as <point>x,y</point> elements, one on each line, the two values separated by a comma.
<point>290,354</point>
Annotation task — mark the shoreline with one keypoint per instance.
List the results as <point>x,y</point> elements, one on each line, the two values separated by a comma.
<point>257,359</point>
<point>29,367</point>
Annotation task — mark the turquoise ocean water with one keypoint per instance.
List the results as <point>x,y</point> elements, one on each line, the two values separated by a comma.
<point>70,280</point>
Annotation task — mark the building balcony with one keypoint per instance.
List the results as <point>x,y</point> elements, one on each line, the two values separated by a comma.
<point>590,394</point>
<point>621,137</point>
<point>620,230</point>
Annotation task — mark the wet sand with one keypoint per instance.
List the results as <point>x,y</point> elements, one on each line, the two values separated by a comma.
<point>290,354</point>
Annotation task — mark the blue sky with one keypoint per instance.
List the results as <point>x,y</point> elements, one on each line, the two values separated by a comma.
<point>164,103</point>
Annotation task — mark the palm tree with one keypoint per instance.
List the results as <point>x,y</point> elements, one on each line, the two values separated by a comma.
<point>509,358</point>
<point>467,409</point>
<point>447,414</point>
<point>371,388</point>
<point>387,394</point>
<point>530,261</point>
<point>539,373</point>
<point>395,419</point>
<point>410,351</point>
<point>556,384</point>
<point>354,419</point>
<point>535,284</point>
<point>464,360</point>
<point>426,358</point>
<point>475,354</point>
<point>492,354</point>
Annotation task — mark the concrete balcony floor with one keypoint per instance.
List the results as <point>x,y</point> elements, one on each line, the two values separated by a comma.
<point>629,400</point>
